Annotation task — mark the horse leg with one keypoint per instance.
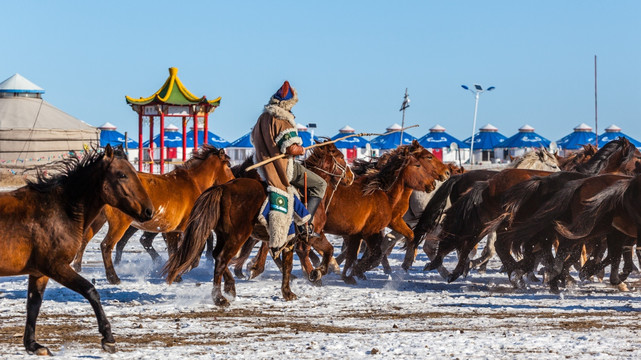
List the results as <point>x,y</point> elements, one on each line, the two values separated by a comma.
<point>120,246</point>
<point>288,260</point>
<point>350,249</point>
<point>302,250</point>
<point>239,260</point>
<point>257,265</point>
<point>341,257</point>
<point>445,247</point>
<point>615,249</point>
<point>230,283</point>
<point>106,246</point>
<point>146,240</point>
<point>209,250</point>
<point>65,275</point>
<point>316,261</point>
<point>96,225</point>
<point>325,248</point>
<point>373,256</point>
<point>464,254</point>
<point>628,262</point>
<point>35,293</point>
<point>488,252</point>
<point>226,247</point>
<point>593,264</point>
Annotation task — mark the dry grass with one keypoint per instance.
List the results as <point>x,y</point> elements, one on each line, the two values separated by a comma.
<point>8,179</point>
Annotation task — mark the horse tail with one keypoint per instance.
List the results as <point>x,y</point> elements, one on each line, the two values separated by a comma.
<point>464,213</point>
<point>542,218</point>
<point>433,210</point>
<point>518,195</point>
<point>202,220</point>
<point>596,208</point>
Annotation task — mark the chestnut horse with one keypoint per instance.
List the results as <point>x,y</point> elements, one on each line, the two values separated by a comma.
<point>173,195</point>
<point>349,225</point>
<point>43,222</point>
<point>231,210</point>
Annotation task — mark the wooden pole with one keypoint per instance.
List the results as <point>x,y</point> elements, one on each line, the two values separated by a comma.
<point>596,117</point>
<point>267,161</point>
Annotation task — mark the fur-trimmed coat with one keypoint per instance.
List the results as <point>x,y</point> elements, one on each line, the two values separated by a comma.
<point>273,133</point>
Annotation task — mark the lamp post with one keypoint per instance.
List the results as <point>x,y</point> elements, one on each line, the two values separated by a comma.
<point>405,105</point>
<point>478,89</point>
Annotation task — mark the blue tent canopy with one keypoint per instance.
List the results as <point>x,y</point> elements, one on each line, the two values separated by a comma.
<point>486,140</point>
<point>242,142</point>
<point>173,139</point>
<point>307,138</point>
<point>439,140</point>
<point>612,135</point>
<point>391,140</point>
<point>115,138</point>
<point>212,139</point>
<point>524,139</point>
<point>582,135</point>
<point>349,143</point>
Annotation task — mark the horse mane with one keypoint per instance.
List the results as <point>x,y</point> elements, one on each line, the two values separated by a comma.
<point>203,153</point>
<point>318,155</point>
<point>533,160</point>
<point>386,176</point>
<point>361,167</point>
<point>464,212</point>
<point>69,170</point>
<point>595,209</point>
<point>600,160</point>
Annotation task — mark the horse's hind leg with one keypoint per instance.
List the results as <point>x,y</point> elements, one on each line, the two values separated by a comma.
<point>325,248</point>
<point>147,240</point>
<point>488,252</point>
<point>239,260</point>
<point>116,229</point>
<point>257,265</point>
<point>288,261</point>
<point>37,285</point>
<point>96,225</point>
<point>69,278</point>
<point>120,246</point>
<point>230,283</point>
<point>302,250</point>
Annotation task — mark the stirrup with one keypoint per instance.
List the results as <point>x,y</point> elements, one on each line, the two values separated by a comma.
<point>306,230</point>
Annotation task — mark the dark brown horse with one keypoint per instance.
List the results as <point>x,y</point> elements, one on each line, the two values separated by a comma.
<point>524,200</point>
<point>173,195</point>
<point>43,222</point>
<point>231,210</point>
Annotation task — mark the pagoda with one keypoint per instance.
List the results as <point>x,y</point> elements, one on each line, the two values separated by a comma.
<point>173,100</point>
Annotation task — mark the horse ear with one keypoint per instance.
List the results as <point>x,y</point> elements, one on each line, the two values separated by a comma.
<point>221,153</point>
<point>109,151</point>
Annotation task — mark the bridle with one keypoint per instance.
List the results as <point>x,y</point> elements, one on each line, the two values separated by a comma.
<point>334,175</point>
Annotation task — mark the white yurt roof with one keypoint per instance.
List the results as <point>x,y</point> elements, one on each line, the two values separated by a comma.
<point>489,127</point>
<point>583,127</point>
<point>171,127</point>
<point>526,128</point>
<point>612,128</point>
<point>437,128</point>
<point>393,127</point>
<point>107,126</point>
<point>18,83</point>
<point>346,129</point>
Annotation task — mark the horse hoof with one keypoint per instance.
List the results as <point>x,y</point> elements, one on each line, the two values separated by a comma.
<point>623,287</point>
<point>114,280</point>
<point>109,347</point>
<point>40,351</point>
<point>231,292</point>
<point>315,275</point>
<point>349,280</point>
<point>451,278</point>
<point>290,297</point>
<point>221,301</point>
<point>429,267</point>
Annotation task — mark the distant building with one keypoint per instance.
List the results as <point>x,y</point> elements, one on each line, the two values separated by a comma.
<point>445,146</point>
<point>522,142</point>
<point>486,142</point>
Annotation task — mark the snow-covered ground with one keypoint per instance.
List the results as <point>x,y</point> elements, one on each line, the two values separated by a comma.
<point>404,316</point>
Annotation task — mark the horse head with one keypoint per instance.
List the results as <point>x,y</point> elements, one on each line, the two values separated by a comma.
<point>403,167</point>
<point>437,168</point>
<point>209,166</point>
<point>121,187</point>
<point>539,159</point>
<point>328,160</point>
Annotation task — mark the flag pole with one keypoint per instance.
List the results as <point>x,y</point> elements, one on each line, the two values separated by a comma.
<point>405,105</point>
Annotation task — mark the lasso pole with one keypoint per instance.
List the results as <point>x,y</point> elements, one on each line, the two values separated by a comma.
<point>267,161</point>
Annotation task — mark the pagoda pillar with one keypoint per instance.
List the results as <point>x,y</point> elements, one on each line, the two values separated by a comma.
<point>205,131</point>
<point>151,144</point>
<point>140,150</point>
<point>195,150</point>
<point>162,142</point>
<point>184,139</point>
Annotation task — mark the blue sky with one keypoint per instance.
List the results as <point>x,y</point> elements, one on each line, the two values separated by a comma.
<point>349,60</point>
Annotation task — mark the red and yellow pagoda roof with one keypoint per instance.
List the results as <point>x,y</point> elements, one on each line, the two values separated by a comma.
<point>173,92</point>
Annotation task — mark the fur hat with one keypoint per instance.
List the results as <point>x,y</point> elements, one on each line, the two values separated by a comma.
<point>286,97</point>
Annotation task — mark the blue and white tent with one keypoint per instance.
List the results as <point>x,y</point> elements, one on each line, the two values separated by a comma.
<point>613,132</point>
<point>487,138</point>
<point>392,140</point>
<point>525,138</point>
<point>244,141</point>
<point>437,138</point>
<point>109,136</point>
<point>349,143</point>
<point>212,139</point>
<point>305,135</point>
<point>173,138</point>
<point>240,149</point>
<point>582,135</point>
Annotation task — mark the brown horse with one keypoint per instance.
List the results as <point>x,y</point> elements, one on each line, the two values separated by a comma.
<point>533,196</point>
<point>231,210</point>
<point>173,195</point>
<point>43,222</point>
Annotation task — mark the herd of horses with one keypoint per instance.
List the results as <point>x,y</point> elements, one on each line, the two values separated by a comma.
<point>542,212</point>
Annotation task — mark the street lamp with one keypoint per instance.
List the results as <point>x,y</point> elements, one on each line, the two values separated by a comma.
<point>478,89</point>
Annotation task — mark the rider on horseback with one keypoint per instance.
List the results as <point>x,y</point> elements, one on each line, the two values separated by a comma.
<point>275,133</point>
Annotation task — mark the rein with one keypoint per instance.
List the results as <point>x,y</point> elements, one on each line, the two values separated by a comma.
<point>332,174</point>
